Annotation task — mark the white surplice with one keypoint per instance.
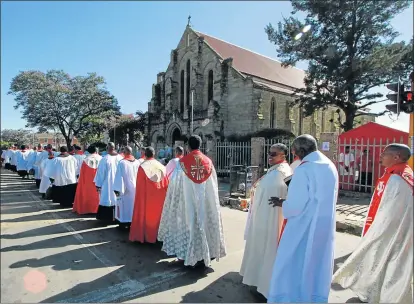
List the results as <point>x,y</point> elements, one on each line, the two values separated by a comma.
<point>40,156</point>
<point>44,182</point>
<point>172,164</point>
<point>62,170</point>
<point>13,158</point>
<point>295,164</point>
<point>79,158</point>
<point>380,270</point>
<point>125,183</point>
<point>104,179</point>
<point>263,228</point>
<point>191,223</point>
<point>8,156</point>
<point>31,161</point>
<point>22,159</point>
<point>304,263</point>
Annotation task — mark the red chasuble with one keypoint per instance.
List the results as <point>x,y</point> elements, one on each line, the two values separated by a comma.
<point>196,166</point>
<point>150,194</point>
<point>404,171</point>
<point>86,197</point>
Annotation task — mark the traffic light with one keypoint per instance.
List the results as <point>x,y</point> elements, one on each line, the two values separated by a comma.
<point>403,100</point>
<point>407,105</point>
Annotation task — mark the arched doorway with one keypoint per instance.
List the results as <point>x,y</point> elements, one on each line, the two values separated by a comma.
<point>176,135</point>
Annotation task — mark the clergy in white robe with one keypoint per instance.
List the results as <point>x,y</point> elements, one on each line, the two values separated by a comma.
<point>380,270</point>
<point>191,223</point>
<point>3,155</point>
<point>304,263</point>
<point>104,182</point>
<point>31,162</point>
<point>80,156</point>
<point>87,197</point>
<point>124,187</point>
<point>40,156</point>
<point>7,156</point>
<point>172,164</point>
<point>62,172</point>
<point>13,159</point>
<point>264,222</point>
<point>45,181</point>
<point>22,158</point>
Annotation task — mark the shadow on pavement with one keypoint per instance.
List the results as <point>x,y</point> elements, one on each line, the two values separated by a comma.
<point>78,225</point>
<point>187,277</point>
<point>63,212</point>
<point>218,291</point>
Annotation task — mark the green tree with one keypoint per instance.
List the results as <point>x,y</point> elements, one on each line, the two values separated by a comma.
<point>133,126</point>
<point>19,137</point>
<point>350,49</point>
<point>55,100</point>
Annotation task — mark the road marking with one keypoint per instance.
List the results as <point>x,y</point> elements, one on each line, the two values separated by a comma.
<point>129,288</point>
<point>16,190</point>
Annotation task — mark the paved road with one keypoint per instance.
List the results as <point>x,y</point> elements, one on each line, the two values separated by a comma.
<point>48,254</point>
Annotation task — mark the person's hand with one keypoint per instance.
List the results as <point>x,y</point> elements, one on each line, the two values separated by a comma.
<point>98,189</point>
<point>276,201</point>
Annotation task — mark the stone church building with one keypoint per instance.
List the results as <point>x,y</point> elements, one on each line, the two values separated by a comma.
<point>233,91</point>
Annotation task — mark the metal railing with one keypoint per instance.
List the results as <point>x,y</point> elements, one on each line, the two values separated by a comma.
<point>360,168</point>
<point>231,153</point>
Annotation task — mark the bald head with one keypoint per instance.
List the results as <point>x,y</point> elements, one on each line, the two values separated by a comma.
<point>110,147</point>
<point>304,145</point>
<point>395,154</point>
<point>128,150</point>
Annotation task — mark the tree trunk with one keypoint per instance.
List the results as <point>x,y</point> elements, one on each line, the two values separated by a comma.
<point>68,141</point>
<point>350,115</point>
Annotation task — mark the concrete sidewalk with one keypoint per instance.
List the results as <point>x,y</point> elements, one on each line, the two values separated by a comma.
<point>351,209</point>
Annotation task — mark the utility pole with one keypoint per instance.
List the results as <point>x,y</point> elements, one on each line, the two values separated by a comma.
<point>191,122</point>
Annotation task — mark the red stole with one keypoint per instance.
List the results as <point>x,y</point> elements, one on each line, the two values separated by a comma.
<point>404,171</point>
<point>79,152</point>
<point>129,157</point>
<point>196,166</point>
<point>285,220</point>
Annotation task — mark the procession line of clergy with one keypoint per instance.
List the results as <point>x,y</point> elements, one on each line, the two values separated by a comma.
<point>292,261</point>
<point>177,204</point>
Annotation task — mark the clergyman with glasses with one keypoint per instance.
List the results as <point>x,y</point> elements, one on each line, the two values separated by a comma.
<point>265,222</point>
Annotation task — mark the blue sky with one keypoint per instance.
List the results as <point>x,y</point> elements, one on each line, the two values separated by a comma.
<point>128,43</point>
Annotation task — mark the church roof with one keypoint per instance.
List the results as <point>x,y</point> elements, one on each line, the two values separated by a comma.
<point>254,64</point>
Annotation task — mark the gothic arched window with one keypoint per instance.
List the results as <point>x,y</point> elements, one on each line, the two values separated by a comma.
<point>188,83</point>
<point>210,86</point>
<point>182,91</point>
<point>272,114</point>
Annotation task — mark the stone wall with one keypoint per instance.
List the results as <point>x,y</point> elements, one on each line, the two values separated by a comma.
<point>239,106</point>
